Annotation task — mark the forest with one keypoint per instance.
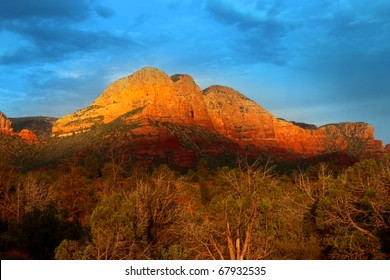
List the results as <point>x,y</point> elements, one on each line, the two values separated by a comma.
<point>85,209</point>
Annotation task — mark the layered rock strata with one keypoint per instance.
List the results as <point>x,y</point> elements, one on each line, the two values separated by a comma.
<point>150,94</point>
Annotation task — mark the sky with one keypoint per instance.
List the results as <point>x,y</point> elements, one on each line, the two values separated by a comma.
<point>319,62</point>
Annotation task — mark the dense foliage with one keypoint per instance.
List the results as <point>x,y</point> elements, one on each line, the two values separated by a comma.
<point>88,209</point>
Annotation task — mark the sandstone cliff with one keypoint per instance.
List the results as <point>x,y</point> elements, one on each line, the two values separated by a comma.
<point>6,128</point>
<point>28,135</point>
<point>5,125</point>
<point>245,122</point>
<point>147,94</point>
<point>151,95</point>
<point>41,126</point>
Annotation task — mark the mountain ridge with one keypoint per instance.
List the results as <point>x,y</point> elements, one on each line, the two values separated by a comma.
<point>41,126</point>
<point>152,118</point>
<point>150,94</point>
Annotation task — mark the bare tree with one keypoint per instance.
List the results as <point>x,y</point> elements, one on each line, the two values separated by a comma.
<point>238,227</point>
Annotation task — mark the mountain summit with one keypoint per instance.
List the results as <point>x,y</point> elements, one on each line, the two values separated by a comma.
<point>150,99</point>
<point>146,94</point>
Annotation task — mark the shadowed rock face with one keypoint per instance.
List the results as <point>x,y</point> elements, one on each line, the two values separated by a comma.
<point>151,95</point>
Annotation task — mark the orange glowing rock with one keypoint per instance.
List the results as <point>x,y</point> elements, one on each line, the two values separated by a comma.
<point>5,125</point>
<point>148,93</point>
<point>28,135</point>
<point>7,128</point>
<point>151,95</point>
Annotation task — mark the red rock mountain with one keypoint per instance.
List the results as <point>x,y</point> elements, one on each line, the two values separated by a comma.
<point>6,128</point>
<point>150,96</point>
<point>5,125</point>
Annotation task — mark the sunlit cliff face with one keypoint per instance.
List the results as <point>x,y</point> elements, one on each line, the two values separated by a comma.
<point>5,124</point>
<point>151,95</point>
<point>6,128</point>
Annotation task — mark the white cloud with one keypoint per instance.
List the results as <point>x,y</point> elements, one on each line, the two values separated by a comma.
<point>70,74</point>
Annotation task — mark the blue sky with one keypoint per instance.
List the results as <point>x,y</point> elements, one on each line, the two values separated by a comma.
<point>310,61</point>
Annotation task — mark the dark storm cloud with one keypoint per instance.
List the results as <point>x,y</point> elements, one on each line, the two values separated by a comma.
<point>260,29</point>
<point>50,30</point>
<point>48,42</point>
<point>69,10</point>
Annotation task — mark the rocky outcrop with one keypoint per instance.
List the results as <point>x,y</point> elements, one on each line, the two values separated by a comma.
<point>151,95</point>
<point>28,135</point>
<point>41,126</point>
<point>356,139</point>
<point>248,124</point>
<point>238,118</point>
<point>6,128</point>
<point>5,125</point>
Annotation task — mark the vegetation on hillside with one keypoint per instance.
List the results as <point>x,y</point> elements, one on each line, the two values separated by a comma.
<point>85,208</point>
<point>41,126</point>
